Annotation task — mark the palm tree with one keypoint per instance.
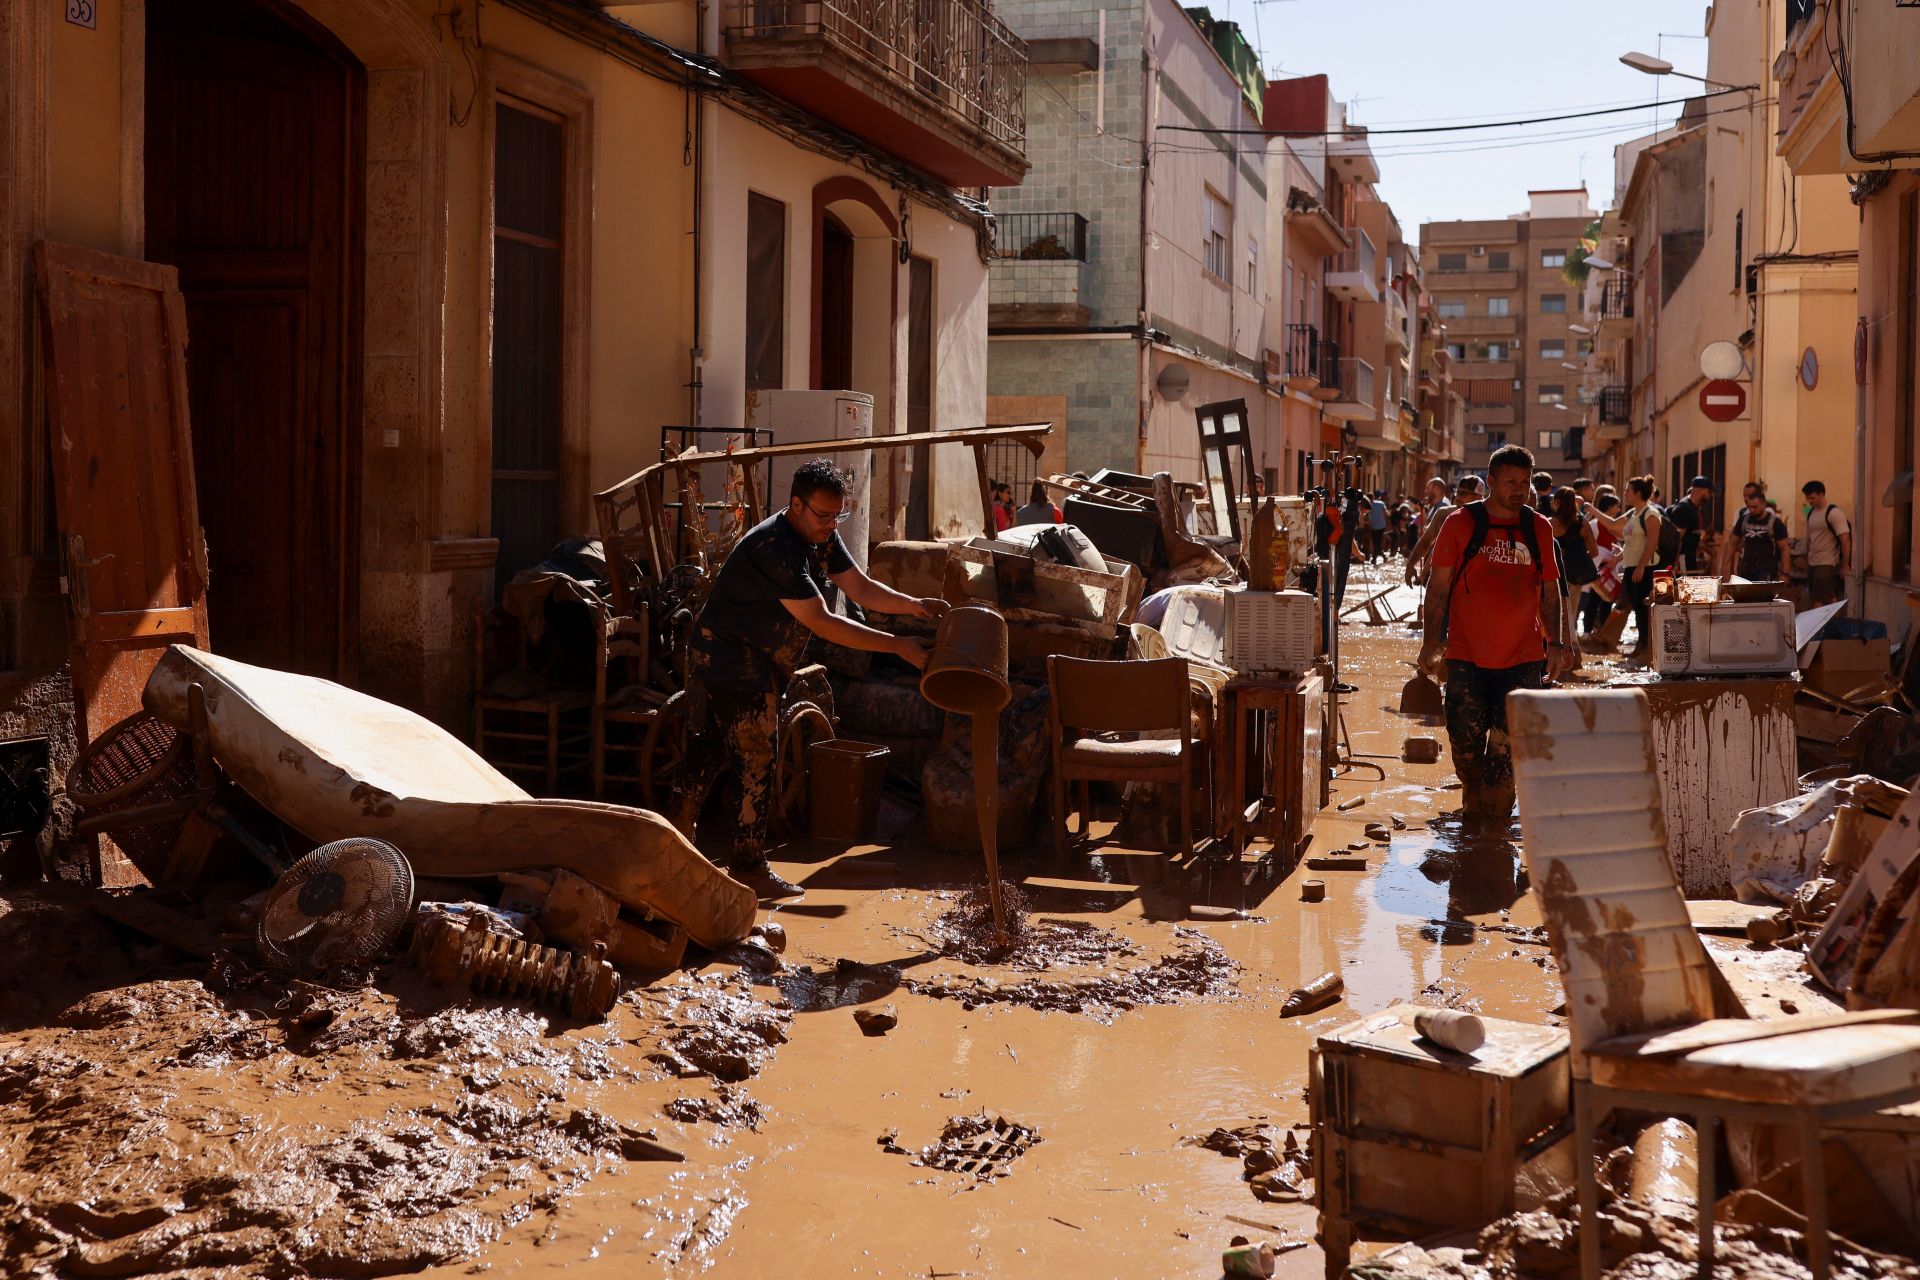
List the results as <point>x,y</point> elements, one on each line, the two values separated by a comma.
<point>1575,269</point>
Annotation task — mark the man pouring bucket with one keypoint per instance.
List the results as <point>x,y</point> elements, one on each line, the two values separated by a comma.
<point>767,601</point>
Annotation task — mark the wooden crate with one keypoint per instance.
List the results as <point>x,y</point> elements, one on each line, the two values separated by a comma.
<point>1410,1139</point>
<point>1042,589</point>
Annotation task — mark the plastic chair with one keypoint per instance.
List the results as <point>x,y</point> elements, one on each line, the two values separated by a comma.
<point>1087,700</point>
<point>1640,984</point>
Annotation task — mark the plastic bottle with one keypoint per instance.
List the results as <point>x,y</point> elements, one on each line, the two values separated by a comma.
<point>1318,994</point>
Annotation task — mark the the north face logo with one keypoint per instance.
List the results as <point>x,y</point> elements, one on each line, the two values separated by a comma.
<point>1502,551</point>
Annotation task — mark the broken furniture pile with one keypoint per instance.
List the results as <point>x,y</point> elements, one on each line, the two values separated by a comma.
<point>233,769</point>
<point>1813,1114</point>
<point>1858,698</point>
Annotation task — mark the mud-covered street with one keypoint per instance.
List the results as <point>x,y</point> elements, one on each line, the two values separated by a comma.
<point>159,1112</point>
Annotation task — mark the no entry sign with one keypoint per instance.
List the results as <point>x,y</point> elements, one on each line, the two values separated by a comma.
<point>1723,400</point>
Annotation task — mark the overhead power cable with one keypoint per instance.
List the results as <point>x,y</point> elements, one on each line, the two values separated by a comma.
<point>1447,128</point>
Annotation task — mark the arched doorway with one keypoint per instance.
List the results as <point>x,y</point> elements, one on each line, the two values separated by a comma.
<point>254,164</point>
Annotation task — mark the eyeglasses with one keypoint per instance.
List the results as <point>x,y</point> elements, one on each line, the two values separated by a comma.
<point>831,517</point>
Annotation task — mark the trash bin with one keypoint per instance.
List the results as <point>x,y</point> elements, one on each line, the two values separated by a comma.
<point>843,788</point>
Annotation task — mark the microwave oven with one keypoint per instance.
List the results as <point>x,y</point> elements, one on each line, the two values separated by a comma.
<point>1726,638</point>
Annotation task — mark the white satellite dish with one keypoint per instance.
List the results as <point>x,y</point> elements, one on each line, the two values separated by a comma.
<point>1722,360</point>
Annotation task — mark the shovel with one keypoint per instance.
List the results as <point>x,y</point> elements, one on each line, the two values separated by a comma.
<point>1421,696</point>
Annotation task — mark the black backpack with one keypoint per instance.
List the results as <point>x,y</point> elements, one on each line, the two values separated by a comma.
<point>1483,524</point>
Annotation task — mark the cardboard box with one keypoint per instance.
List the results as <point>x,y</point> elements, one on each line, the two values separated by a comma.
<point>1821,724</point>
<point>1843,666</point>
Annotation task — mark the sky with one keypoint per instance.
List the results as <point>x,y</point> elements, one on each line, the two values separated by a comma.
<point>1404,63</point>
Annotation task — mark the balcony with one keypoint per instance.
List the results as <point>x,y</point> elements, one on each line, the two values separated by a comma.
<point>1490,415</point>
<point>1352,158</point>
<point>1353,275</point>
<point>1385,433</point>
<point>1474,279</point>
<point>1303,357</point>
<point>1031,237</point>
<point>1506,370</point>
<point>1327,370</point>
<point>1477,326</point>
<point>1616,408</point>
<point>1038,274</point>
<point>1615,312</point>
<point>1397,326</point>
<point>1352,385</point>
<point>1812,114</point>
<point>942,84</point>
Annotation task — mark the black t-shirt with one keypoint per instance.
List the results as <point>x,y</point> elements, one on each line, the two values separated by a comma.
<point>751,640</point>
<point>1760,545</point>
<point>1686,518</point>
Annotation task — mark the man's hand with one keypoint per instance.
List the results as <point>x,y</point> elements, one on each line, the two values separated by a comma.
<point>908,649</point>
<point>1433,656</point>
<point>1559,662</point>
<point>931,607</point>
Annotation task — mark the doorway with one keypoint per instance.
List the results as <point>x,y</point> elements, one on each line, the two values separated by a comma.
<point>920,393</point>
<point>836,305</point>
<point>254,138</point>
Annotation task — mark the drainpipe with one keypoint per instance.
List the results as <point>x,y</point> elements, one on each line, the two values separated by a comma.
<point>1146,223</point>
<point>699,142</point>
<point>1862,534</point>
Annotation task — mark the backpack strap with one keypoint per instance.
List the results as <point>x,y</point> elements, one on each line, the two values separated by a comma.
<point>1482,525</point>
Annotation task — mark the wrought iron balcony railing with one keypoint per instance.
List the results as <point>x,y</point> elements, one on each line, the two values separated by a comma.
<point>1041,236</point>
<point>955,54</point>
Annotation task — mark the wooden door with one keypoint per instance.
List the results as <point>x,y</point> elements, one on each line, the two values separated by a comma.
<point>920,394</point>
<point>252,186</point>
<point>836,306</point>
<point>116,336</point>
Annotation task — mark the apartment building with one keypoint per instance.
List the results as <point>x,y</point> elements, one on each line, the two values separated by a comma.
<point>1129,284</point>
<point>1854,116</point>
<point>1516,330</point>
<point>444,281</point>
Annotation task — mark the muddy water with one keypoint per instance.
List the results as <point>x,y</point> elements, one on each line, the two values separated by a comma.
<point>372,1131</point>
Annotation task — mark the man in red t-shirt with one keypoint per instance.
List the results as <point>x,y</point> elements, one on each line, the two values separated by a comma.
<point>1496,581</point>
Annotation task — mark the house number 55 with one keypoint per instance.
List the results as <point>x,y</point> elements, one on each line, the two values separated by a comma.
<point>81,13</point>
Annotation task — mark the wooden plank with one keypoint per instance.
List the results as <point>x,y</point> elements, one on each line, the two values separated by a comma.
<point>123,472</point>
<point>1721,1031</point>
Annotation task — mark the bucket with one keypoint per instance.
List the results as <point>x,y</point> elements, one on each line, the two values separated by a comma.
<point>843,789</point>
<point>967,670</point>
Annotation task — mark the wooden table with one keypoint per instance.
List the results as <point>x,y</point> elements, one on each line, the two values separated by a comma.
<point>1272,743</point>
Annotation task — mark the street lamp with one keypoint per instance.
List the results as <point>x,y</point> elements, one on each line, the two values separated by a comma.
<point>1580,329</point>
<point>1653,66</point>
<point>1599,263</point>
<point>1568,364</point>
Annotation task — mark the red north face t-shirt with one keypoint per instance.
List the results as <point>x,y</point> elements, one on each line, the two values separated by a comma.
<point>1494,617</point>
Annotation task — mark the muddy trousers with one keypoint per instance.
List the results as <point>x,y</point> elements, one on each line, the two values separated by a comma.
<point>737,727</point>
<point>1477,731</point>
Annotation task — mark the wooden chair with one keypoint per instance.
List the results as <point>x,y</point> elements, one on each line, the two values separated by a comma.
<point>527,729</point>
<point>1087,714</point>
<point>1639,983</point>
<point>626,708</point>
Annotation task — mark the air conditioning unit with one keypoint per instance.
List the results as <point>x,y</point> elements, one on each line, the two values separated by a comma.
<point>1479,251</point>
<point>1271,632</point>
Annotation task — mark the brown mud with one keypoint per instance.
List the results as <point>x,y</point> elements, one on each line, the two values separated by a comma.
<point>163,1116</point>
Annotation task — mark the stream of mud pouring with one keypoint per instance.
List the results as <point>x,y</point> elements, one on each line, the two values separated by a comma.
<point>986,805</point>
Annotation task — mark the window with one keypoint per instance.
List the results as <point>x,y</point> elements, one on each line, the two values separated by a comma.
<point>1549,439</point>
<point>534,221</point>
<point>1497,351</point>
<point>1496,440</point>
<point>1253,265</point>
<point>1739,247</point>
<point>1498,260</point>
<point>1453,262</point>
<point>1458,350</point>
<point>1213,252</point>
<point>1553,257</point>
<point>1497,307</point>
<point>1451,309</point>
<point>1553,349</point>
<point>1551,392</point>
<point>766,292</point>
<point>1553,304</point>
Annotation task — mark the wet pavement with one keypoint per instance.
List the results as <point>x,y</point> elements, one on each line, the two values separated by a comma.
<point>1037,1112</point>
